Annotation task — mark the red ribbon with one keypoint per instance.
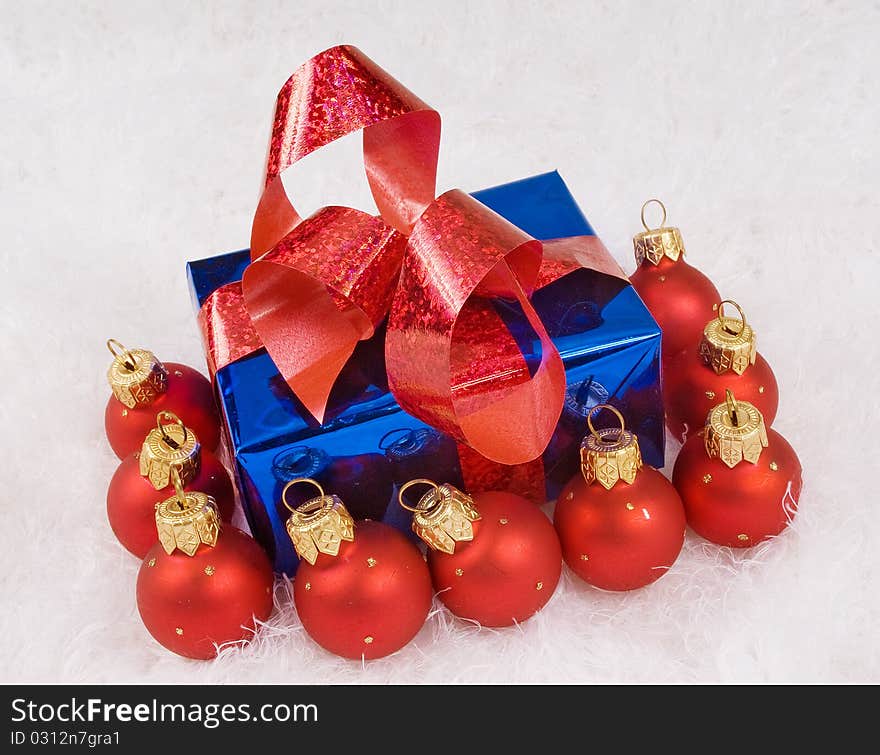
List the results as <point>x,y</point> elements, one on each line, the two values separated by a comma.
<point>438,269</point>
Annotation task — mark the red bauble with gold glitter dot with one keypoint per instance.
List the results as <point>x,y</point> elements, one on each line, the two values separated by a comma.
<point>494,557</point>
<point>621,525</point>
<point>360,591</point>
<point>143,386</point>
<point>678,296</point>
<point>623,538</point>
<point>368,601</point>
<point>191,602</point>
<point>740,484</point>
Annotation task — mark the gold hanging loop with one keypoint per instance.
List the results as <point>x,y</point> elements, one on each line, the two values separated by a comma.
<point>724,320</point>
<point>662,222</point>
<point>121,352</point>
<point>175,420</point>
<point>178,488</point>
<point>407,485</point>
<point>297,481</point>
<point>732,406</point>
<point>594,432</point>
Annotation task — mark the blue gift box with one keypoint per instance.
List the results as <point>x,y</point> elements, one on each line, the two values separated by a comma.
<point>368,446</point>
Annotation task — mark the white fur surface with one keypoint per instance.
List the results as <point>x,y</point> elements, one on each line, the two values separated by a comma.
<point>132,140</point>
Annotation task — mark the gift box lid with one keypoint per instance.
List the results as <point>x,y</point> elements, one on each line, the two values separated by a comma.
<point>541,205</point>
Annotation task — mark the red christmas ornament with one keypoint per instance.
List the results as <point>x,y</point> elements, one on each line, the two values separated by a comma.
<point>627,530</point>
<point>144,478</point>
<point>143,386</point>
<point>694,381</point>
<point>739,481</point>
<point>679,296</point>
<point>360,591</point>
<point>494,558</point>
<point>201,586</point>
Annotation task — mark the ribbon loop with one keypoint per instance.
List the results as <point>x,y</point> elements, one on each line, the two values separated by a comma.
<point>338,92</point>
<point>494,380</point>
<point>324,287</point>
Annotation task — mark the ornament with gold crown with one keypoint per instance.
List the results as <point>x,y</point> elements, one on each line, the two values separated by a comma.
<point>621,523</point>
<point>204,584</point>
<point>141,386</point>
<point>679,296</point>
<point>362,590</point>
<point>738,479</point>
<point>494,557</point>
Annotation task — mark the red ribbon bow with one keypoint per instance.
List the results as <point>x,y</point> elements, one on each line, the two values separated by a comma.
<point>436,267</point>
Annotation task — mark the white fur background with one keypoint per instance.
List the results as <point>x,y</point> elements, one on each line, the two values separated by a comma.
<point>132,140</point>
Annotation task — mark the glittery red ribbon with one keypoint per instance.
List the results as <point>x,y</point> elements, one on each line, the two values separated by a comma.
<point>227,331</point>
<point>475,384</point>
<point>437,267</point>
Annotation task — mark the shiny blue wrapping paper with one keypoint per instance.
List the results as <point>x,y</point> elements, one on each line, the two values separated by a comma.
<point>368,446</point>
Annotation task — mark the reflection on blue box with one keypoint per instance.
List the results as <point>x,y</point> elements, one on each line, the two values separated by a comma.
<point>368,445</point>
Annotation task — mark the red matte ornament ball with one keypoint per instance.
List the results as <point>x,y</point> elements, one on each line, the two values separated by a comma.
<point>691,388</point>
<point>742,505</point>
<point>369,600</point>
<point>189,395</point>
<point>509,570</point>
<point>131,499</point>
<point>190,604</point>
<point>622,538</point>
<point>679,297</point>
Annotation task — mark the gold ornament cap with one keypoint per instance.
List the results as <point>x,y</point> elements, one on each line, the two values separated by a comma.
<point>735,432</point>
<point>319,525</point>
<point>655,243</point>
<point>611,454</point>
<point>186,520</point>
<point>728,343</point>
<point>136,377</point>
<point>443,516</point>
<point>166,446</point>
